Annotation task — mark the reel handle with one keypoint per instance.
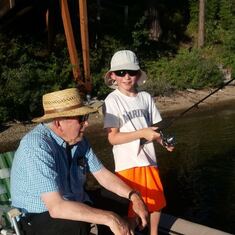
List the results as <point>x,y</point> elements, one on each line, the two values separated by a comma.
<point>168,140</point>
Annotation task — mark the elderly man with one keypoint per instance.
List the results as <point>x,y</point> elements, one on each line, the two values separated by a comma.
<point>49,172</point>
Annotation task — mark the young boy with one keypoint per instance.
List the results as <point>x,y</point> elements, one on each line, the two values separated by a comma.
<point>128,117</point>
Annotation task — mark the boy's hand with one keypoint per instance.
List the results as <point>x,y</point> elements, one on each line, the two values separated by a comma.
<point>170,148</point>
<point>150,133</point>
<point>168,142</point>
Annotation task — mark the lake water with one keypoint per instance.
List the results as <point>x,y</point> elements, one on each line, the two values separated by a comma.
<point>199,176</point>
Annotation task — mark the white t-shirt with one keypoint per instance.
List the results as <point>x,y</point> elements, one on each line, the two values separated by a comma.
<point>130,114</point>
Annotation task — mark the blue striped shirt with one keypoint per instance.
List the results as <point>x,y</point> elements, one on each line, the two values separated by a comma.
<point>41,165</point>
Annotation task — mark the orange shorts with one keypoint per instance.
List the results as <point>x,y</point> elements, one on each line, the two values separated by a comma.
<point>147,181</point>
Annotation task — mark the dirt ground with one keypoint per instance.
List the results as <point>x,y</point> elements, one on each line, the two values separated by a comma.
<point>184,100</point>
<point>11,133</point>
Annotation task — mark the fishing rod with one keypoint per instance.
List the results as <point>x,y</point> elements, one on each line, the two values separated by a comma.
<point>170,140</point>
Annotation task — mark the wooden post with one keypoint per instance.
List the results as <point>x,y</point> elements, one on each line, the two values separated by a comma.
<point>70,40</point>
<point>85,43</point>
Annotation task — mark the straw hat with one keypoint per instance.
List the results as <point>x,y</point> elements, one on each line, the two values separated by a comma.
<point>124,60</point>
<point>64,103</point>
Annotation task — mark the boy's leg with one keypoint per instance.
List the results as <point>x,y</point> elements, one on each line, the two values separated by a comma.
<point>43,224</point>
<point>154,222</point>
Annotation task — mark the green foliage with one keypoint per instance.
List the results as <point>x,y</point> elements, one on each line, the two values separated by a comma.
<point>226,14</point>
<point>99,88</point>
<point>186,70</point>
<point>221,32</point>
<point>227,54</point>
<point>27,71</point>
<point>194,70</point>
<point>220,21</point>
<point>25,75</point>
<point>100,57</point>
<point>140,34</point>
<point>157,82</point>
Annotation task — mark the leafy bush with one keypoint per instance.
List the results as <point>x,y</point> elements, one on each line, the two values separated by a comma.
<point>227,54</point>
<point>157,83</point>
<point>25,75</point>
<point>186,70</point>
<point>27,70</point>
<point>99,88</point>
<point>193,70</point>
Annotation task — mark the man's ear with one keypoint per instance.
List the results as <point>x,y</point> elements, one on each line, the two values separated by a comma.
<point>57,124</point>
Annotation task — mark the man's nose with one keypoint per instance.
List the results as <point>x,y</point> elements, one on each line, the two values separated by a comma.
<point>84,124</point>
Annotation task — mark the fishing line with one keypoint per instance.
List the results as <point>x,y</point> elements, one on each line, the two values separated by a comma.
<point>170,140</point>
<point>196,104</point>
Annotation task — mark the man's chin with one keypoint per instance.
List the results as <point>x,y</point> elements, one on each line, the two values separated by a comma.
<point>76,140</point>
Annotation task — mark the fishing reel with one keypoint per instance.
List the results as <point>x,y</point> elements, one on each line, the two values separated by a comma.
<point>167,140</point>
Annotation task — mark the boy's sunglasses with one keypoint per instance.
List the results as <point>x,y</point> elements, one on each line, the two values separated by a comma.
<point>122,73</point>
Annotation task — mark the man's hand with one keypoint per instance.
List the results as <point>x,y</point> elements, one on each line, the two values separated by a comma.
<point>119,226</point>
<point>114,184</point>
<point>140,209</point>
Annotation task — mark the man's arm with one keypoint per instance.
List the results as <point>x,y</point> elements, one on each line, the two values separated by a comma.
<point>114,184</point>
<point>71,210</point>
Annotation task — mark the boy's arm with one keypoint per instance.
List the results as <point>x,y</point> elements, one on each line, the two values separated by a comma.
<point>150,134</point>
<point>117,137</point>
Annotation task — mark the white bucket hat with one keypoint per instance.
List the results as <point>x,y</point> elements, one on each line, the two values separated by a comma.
<point>124,60</point>
<point>63,103</point>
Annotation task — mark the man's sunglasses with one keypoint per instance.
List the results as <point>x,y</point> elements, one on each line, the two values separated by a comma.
<point>83,118</point>
<point>122,73</point>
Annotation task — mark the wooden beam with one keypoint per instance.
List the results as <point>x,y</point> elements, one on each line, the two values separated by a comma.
<point>85,43</point>
<point>70,40</point>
